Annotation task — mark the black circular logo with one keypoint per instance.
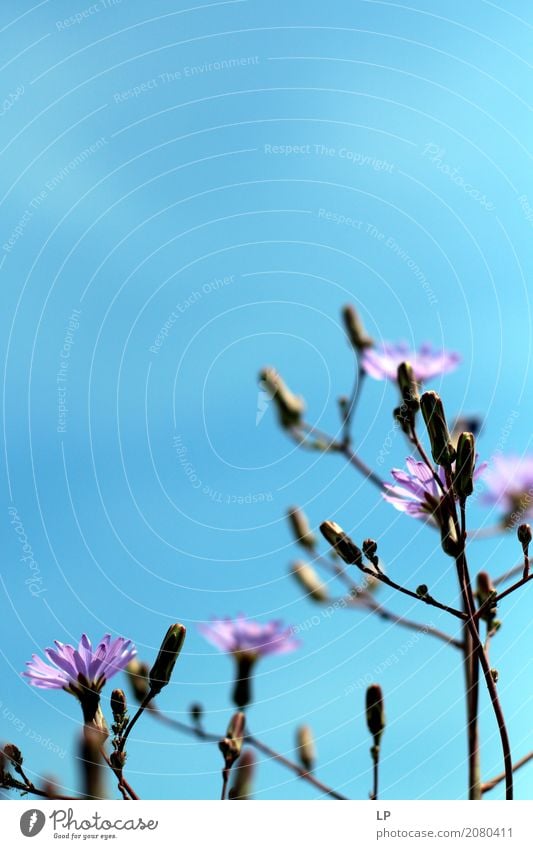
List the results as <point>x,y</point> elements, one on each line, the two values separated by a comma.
<point>32,822</point>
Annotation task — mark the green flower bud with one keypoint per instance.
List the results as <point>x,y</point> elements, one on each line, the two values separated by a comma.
<point>137,672</point>
<point>309,581</point>
<point>231,745</point>
<point>243,772</point>
<point>289,406</point>
<point>306,747</point>
<point>448,536</point>
<point>343,545</point>
<point>486,593</point>
<point>464,465</point>
<point>300,528</point>
<point>375,712</point>
<point>118,705</point>
<point>408,387</point>
<point>442,449</point>
<point>404,418</point>
<point>355,330</point>
<point>168,654</point>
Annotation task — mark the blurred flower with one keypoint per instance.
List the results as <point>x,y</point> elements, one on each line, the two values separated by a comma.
<point>245,636</point>
<point>509,485</point>
<point>84,668</point>
<point>247,641</point>
<point>416,491</point>
<point>382,363</point>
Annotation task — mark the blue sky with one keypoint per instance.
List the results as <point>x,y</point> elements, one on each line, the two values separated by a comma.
<point>213,182</point>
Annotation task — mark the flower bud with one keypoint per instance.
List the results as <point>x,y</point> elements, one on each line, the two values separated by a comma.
<point>375,712</point>
<point>448,535</point>
<point>404,419</point>
<point>355,330</point>
<point>370,548</point>
<point>118,759</point>
<point>300,528</point>
<point>485,594</point>
<point>137,672</point>
<point>422,591</point>
<point>408,387</point>
<point>14,755</point>
<point>289,406</point>
<point>118,705</point>
<point>309,581</point>
<point>472,424</point>
<point>168,654</point>
<point>231,745</point>
<point>306,747</point>
<point>343,545</point>
<point>485,587</point>
<point>442,449</point>
<point>464,465</point>
<point>196,712</point>
<point>243,772</point>
<point>524,536</point>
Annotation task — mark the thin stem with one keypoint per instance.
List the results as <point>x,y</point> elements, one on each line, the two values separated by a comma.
<point>487,786</point>
<point>502,595</point>
<point>472,688</point>
<point>464,583</point>
<point>225,779</point>
<point>352,404</point>
<point>11,783</point>
<point>389,616</point>
<point>123,785</point>
<point>194,731</point>
<point>307,776</point>
<point>364,598</point>
<point>501,579</point>
<point>147,699</point>
<point>362,467</point>
<point>380,576</point>
<point>525,574</point>
<point>486,533</point>
<point>375,774</point>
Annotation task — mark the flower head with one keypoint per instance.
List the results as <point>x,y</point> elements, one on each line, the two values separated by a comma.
<point>247,641</point>
<point>242,636</point>
<point>509,484</point>
<point>82,669</point>
<point>416,491</point>
<point>382,363</point>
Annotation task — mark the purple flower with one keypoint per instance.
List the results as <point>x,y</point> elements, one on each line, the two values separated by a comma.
<point>247,641</point>
<point>509,484</point>
<point>83,669</point>
<point>416,491</point>
<point>242,636</point>
<point>382,363</point>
